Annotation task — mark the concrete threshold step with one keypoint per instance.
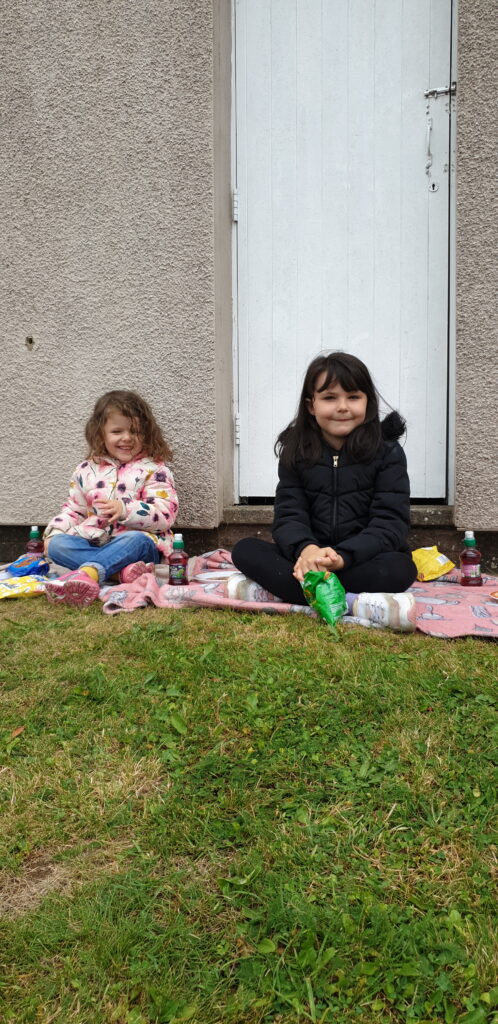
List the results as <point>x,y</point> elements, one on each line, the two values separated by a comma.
<point>262,515</point>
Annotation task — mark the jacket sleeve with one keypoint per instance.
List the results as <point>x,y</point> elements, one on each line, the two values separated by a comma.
<point>156,509</point>
<point>73,512</point>
<point>291,523</point>
<point>389,522</point>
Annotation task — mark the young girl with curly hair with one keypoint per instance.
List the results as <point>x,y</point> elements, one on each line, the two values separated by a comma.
<point>121,506</point>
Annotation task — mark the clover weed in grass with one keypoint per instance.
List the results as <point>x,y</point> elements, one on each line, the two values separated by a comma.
<point>214,817</point>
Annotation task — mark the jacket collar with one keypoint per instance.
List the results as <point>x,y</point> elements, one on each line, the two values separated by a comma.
<point>108,461</point>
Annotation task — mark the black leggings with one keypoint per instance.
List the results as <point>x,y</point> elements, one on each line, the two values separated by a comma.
<point>263,562</point>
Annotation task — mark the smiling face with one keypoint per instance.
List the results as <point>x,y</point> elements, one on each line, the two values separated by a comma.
<point>121,439</point>
<point>337,412</point>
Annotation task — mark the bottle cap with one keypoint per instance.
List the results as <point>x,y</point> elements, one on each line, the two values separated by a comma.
<point>34,533</point>
<point>469,539</point>
<point>177,541</point>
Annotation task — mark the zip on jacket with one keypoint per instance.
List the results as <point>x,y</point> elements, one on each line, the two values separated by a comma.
<point>335,465</point>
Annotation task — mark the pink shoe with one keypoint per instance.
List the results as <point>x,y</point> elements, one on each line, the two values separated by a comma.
<point>134,570</point>
<point>75,588</point>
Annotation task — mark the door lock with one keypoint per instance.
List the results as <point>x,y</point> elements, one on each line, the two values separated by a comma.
<point>443,90</point>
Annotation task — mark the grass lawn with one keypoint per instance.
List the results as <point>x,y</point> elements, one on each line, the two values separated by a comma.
<point>215,817</point>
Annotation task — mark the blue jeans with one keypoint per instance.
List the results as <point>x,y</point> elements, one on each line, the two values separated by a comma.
<point>132,546</point>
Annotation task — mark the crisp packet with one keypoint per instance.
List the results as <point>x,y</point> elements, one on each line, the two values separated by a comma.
<point>28,565</point>
<point>431,564</point>
<point>22,586</point>
<point>326,595</point>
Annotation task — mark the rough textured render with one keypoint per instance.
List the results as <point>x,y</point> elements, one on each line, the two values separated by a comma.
<point>476,502</point>
<point>106,227</point>
<point>115,173</point>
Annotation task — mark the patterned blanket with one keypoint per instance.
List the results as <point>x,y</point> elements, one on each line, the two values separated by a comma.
<point>444,608</point>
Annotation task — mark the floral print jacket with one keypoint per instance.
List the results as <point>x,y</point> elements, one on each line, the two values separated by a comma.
<point>145,487</point>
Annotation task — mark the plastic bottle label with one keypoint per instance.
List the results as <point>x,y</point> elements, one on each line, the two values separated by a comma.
<point>471,570</point>
<point>177,574</point>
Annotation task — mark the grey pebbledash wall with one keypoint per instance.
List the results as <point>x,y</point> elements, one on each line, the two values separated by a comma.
<point>107,211</point>
<point>476,490</point>
<point>115,243</point>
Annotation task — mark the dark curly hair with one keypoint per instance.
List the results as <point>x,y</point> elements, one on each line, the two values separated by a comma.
<point>129,404</point>
<point>302,439</point>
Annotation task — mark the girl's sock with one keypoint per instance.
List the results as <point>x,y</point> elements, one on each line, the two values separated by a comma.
<point>92,572</point>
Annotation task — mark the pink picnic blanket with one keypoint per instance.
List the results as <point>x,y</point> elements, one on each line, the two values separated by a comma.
<point>444,608</point>
<point>148,589</point>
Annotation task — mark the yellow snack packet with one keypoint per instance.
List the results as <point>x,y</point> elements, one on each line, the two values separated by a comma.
<point>431,564</point>
<point>22,586</point>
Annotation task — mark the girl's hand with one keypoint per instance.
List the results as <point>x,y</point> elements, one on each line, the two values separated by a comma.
<point>311,559</point>
<point>45,546</point>
<point>111,510</point>
<point>315,559</point>
<point>331,560</point>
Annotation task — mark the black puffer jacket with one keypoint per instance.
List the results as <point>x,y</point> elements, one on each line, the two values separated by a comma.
<point>359,509</point>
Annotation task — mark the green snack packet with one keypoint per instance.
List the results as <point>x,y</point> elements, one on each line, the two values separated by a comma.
<point>326,595</point>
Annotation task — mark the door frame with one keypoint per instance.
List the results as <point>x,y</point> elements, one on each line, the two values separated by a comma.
<point>235,266</point>
<point>451,399</point>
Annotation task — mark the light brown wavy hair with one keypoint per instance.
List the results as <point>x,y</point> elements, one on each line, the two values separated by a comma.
<point>129,404</point>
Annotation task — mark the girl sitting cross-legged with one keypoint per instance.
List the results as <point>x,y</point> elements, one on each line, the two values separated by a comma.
<point>342,501</point>
<point>121,505</point>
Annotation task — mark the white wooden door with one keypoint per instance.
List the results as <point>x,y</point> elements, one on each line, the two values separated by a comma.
<point>343,181</point>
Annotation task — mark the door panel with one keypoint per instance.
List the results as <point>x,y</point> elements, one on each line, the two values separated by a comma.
<point>342,236</point>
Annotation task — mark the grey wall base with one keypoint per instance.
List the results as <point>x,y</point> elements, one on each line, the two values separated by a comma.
<point>447,538</point>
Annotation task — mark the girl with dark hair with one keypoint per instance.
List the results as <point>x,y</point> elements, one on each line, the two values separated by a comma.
<point>343,499</point>
<point>121,505</point>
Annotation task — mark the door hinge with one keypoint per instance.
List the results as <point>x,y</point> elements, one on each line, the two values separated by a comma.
<point>443,90</point>
<point>235,205</point>
<point>237,427</point>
